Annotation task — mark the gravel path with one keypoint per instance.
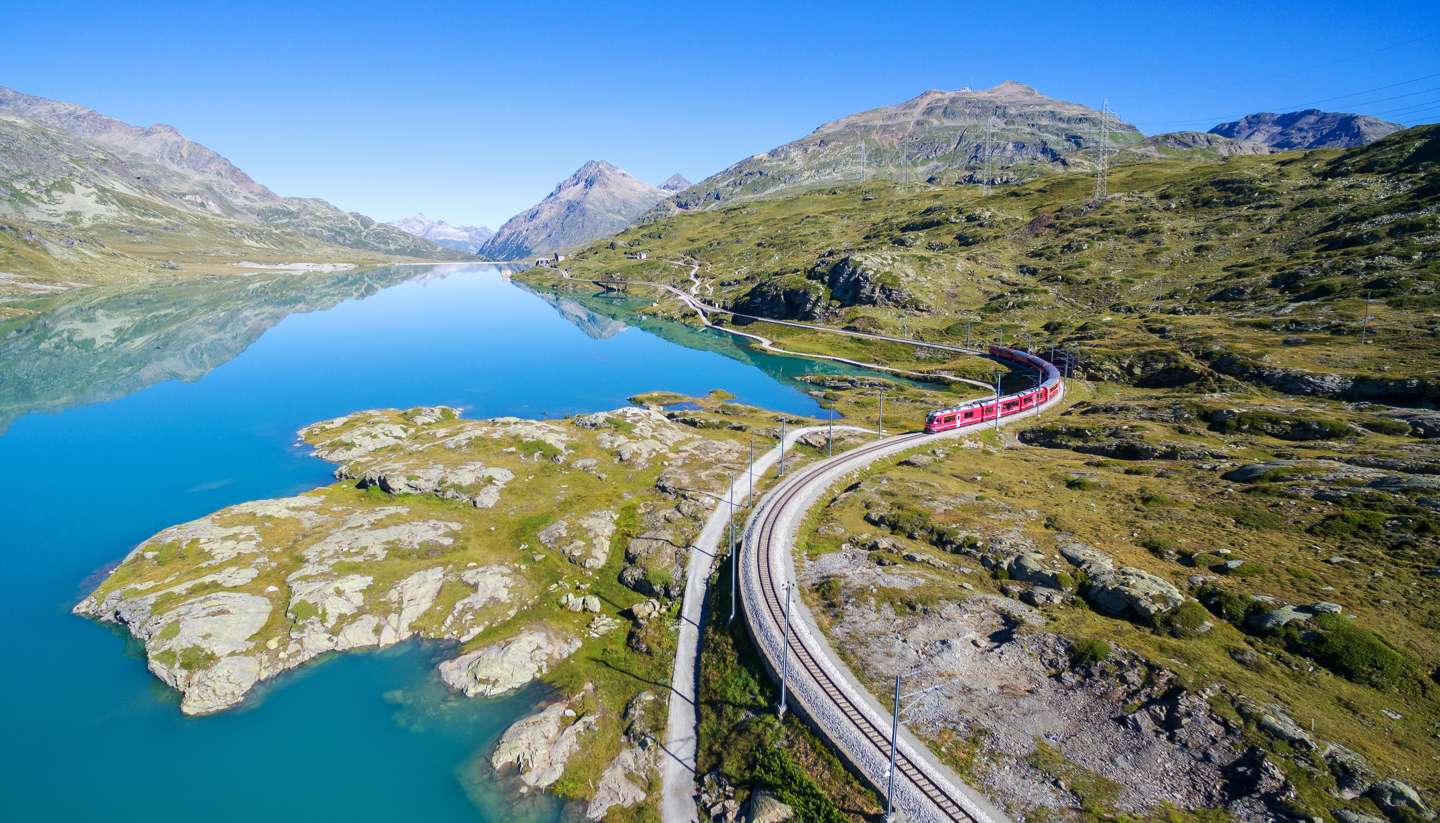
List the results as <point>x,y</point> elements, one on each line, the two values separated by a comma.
<point>677,770</point>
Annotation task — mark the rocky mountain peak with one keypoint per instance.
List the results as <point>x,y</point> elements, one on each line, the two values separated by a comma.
<point>676,182</point>
<point>596,201</point>
<point>1308,129</point>
<point>935,134</point>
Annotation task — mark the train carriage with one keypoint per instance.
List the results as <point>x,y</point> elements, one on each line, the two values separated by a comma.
<point>988,409</point>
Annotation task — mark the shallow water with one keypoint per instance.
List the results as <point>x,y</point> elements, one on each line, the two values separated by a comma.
<point>131,411</point>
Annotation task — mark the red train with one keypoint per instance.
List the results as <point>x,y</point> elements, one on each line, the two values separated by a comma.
<point>980,411</point>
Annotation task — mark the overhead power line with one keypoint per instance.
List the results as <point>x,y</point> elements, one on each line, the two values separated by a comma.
<point>1310,104</point>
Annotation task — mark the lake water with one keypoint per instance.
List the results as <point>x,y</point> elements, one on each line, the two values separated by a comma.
<point>130,411</point>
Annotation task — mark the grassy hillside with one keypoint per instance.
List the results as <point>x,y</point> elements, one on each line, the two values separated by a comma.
<point>1253,423</point>
<point>1273,260</point>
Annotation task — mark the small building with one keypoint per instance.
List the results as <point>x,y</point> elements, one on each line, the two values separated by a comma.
<point>559,258</point>
<point>639,255</point>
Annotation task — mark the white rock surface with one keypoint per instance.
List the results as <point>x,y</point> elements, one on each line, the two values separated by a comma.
<point>508,664</point>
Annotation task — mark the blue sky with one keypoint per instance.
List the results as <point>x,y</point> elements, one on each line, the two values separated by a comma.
<point>472,111</point>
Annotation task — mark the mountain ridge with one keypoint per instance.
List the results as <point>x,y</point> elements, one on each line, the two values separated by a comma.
<point>446,235</point>
<point>932,135</point>
<point>85,191</point>
<point>1308,129</point>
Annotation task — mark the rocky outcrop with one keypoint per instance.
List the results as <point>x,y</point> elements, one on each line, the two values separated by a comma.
<point>474,483</point>
<point>789,298</point>
<point>507,664</point>
<point>993,673</point>
<point>540,745</point>
<point>861,279</point>
<point>1400,391</point>
<point>1117,442</point>
<point>586,543</point>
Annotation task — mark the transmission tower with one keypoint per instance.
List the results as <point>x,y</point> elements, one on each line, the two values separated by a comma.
<point>1103,165</point>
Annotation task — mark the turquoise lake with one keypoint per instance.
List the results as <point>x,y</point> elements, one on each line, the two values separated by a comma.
<point>124,412</point>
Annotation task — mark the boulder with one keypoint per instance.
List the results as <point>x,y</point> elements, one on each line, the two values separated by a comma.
<point>1353,775</point>
<point>1276,723</point>
<point>1399,799</point>
<point>1091,560</point>
<point>540,745</point>
<point>508,664</point>
<point>764,807</point>
<point>1352,816</point>
<point>1130,592</point>
<point>1277,618</point>
<point>1029,567</point>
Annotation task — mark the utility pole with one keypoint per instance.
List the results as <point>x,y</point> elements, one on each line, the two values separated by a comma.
<point>880,418</point>
<point>1103,166</point>
<point>997,401</point>
<point>785,653</point>
<point>830,435</point>
<point>782,448</point>
<point>751,467</point>
<point>734,550</point>
<point>894,730</point>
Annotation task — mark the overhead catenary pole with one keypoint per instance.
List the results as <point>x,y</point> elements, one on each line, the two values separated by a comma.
<point>997,401</point>
<point>785,653</point>
<point>830,435</point>
<point>782,447</point>
<point>751,468</point>
<point>734,550</point>
<point>894,731</point>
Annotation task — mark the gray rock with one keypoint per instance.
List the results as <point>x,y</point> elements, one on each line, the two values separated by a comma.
<point>1091,560</point>
<point>1030,567</point>
<point>1396,798</point>
<point>1039,596</point>
<point>764,807</point>
<point>541,744</point>
<point>1130,592</point>
<point>1282,726</point>
<point>1353,775</point>
<point>1277,618</point>
<point>1251,472</point>
<point>508,664</point>
<point>1352,816</point>
<point>623,782</point>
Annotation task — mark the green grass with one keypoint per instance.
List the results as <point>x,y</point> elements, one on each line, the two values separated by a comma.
<point>1087,651</point>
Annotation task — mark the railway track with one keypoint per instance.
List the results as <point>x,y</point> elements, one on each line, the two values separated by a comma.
<point>820,686</point>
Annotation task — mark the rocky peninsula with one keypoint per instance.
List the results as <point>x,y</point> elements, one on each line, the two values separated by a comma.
<point>540,549</point>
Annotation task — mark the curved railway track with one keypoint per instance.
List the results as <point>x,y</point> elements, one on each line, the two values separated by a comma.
<point>820,686</point>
